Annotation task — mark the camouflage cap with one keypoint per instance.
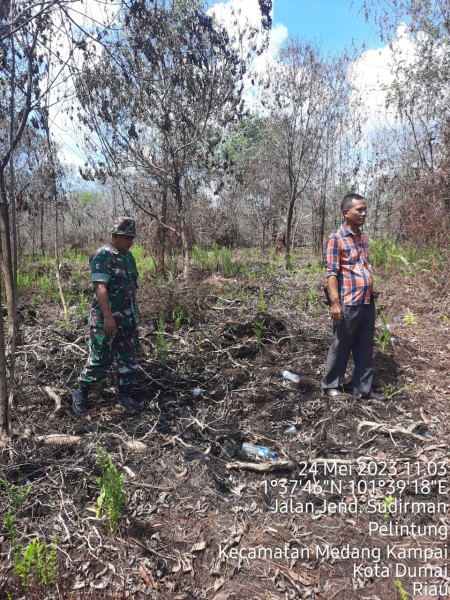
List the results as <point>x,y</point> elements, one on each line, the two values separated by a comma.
<point>124,226</point>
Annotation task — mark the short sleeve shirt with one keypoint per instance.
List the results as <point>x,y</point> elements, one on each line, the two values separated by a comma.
<point>120,274</point>
<point>347,257</point>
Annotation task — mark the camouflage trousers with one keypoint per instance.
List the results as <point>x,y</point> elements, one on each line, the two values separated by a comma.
<point>102,352</point>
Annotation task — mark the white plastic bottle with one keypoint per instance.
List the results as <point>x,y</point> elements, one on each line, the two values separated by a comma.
<point>291,430</point>
<point>291,376</point>
<point>260,451</point>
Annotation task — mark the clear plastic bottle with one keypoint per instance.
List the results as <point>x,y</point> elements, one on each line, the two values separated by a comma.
<point>291,430</point>
<point>196,391</point>
<point>260,451</point>
<point>291,376</point>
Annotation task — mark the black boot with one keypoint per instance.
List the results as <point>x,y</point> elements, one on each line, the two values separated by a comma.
<point>125,399</point>
<point>79,400</point>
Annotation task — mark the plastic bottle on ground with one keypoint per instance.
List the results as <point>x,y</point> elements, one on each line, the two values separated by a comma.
<point>291,376</point>
<point>291,430</point>
<point>196,392</point>
<point>260,451</point>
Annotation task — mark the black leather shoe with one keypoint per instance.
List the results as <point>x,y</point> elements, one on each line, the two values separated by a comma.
<point>348,388</point>
<point>79,401</point>
<point>127,402</point>
<point>333,393</point>
<point>374,396</point>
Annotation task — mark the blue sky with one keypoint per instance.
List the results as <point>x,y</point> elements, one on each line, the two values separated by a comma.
<point>334,23</point>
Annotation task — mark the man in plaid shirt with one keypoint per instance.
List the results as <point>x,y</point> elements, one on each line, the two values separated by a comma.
<point>350,287</point>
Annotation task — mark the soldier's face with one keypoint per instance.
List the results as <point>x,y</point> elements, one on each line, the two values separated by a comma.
<point>122,242</point>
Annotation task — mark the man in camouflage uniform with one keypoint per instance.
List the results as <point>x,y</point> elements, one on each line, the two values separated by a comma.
<point>113,318</point>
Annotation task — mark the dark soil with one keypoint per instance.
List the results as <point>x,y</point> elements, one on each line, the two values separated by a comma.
<point>197,521</point>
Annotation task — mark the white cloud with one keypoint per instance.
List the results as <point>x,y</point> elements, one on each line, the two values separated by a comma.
<point>242,10</point>
<point>372,74</point>
<point>87,15</point>
<point>237,15</point>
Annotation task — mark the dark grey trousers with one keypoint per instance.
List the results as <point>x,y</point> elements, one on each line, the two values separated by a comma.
<point>355,334</point>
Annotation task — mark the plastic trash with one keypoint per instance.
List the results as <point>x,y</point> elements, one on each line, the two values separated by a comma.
<point>196,392</point>
<point>392,339</point>
<point>260,451</point>
<point>291,376</point>
<point>291,430</point>
<point>388,327</point>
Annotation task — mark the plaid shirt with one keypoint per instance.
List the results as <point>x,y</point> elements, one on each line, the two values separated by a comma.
<point>347,257</point>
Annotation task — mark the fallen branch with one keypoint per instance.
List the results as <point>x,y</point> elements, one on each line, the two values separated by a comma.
<point>384,428</point>
<point>53,396</point>
<point>263,466</point>
<point>59,439</point>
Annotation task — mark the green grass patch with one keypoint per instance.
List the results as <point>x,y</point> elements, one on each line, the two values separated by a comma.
<point>144,263</point>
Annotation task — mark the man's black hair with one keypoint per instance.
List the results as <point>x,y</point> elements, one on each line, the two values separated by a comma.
<point>349,199</point>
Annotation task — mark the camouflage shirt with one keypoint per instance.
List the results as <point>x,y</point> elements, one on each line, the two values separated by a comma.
<point>119,272</point>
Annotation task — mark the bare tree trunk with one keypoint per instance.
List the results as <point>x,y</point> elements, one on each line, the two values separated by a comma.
<point>182,216</point>
<point>6,251</point>
<point>33,239</point>
<point>5,401</point>
<point>5,418</point>
<point>55,204</point>
<point>41,227</point>
<point>162,234</point>
<point>11,295</point>
<point>289,233</point>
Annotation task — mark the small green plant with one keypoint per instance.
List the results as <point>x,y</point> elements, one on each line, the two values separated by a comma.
<point>387,507</point>
<point>36,564</point>
<point>144,264</point>
<point>10,525</point>
<point>206,259</point>
<point>177,315</point>
<point>112,495</point>
<point>312,297</point>
<point>261,301</point>
<point>315,266</point>
<point>384,336</point>
<point>401,591</point>
<point>25,281</point>
<point>162,345</point>
<point>273,255</point>
<point>16,494</point>
<point>65,325</point>
<point>410,318</point>
<point>270,269</point>
<point>292,261</point>
<point>258,331</point>
<point>82,306</point>
<point>215,256</point>
<point>392,390</point>
<point>445,318</point>
<point>227,265</point>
